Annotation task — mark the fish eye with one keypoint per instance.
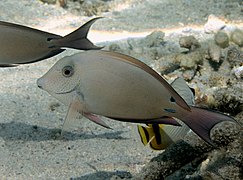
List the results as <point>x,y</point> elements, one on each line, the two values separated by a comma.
<point>67,71</point>
<point>172,99</point>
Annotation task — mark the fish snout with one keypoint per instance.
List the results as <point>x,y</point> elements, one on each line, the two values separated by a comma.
<point>40,83</point>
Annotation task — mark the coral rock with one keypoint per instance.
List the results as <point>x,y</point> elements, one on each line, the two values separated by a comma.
<point>190,60</point>
<point>214,53</point>
<point>237,37</point>
<point>154,39</point>
<point>221,39</point>
<point>189,42</point>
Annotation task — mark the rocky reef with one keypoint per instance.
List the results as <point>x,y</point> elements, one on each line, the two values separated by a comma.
<point>213,67</point>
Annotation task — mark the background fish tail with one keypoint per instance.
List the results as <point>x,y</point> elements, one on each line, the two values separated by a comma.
<point>201,121</point>
<point>78,38</point>
<point>82,44</point>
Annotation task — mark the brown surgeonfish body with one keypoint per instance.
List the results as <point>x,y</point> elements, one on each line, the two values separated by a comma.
<point>122,88</point>
<point>20,44</point>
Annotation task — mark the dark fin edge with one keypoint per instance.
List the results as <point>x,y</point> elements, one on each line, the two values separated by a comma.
<point>163,120</point>
<point>8,65</point>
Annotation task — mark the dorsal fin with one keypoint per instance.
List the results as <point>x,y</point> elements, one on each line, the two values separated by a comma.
<point>179,84</point>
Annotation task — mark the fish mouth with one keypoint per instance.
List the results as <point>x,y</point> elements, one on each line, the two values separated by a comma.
<point>40,83</point>
<point>39,86</point>
<point>66,92</point>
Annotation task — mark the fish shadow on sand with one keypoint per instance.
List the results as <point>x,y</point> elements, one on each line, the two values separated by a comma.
<point>104,175</point>
<point>14,131</point>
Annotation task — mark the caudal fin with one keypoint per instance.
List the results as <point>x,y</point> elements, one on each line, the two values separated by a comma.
<point>78,38</point>
<point>201,121</point>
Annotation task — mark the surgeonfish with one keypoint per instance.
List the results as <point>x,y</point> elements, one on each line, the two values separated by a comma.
<point>160,136</point>
<point>117,86</point>
<point>20,44</point>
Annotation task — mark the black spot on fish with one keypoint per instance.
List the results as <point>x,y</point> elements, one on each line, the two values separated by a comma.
<point>170,110</point>
<point>172,99</point>
<point>49,39</point>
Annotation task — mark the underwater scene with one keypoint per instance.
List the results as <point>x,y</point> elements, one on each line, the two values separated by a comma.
<point>121,89</point>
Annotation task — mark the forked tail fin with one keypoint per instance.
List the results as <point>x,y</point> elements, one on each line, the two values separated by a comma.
<point>78,38</point>
<point>201,121</point>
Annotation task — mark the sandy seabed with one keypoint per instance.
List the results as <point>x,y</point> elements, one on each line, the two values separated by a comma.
<point>30,121</point>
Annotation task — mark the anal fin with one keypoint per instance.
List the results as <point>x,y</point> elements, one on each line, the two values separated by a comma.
<point>96,119</point>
